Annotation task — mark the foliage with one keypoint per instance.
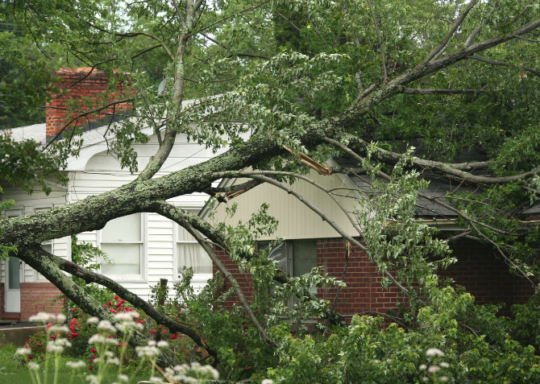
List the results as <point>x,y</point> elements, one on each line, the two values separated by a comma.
<point>272,81</point>
<point>110,354</point>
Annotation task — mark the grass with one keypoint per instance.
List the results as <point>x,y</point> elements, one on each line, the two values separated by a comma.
<point>12,372</point>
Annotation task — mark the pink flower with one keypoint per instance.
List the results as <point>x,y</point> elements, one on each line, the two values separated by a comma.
<point>105,305</point>
<point>152,331</point>
<point>74,310</point>
<point>90,367</point>
<point>112,310</point>
<point>174,336</point>
<point>93,350</point>
<point>116,298</point>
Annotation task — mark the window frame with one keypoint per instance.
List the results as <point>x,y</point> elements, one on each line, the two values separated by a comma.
<point>289,252</point>
<point>22,265</point>
<point>142,277</point>
<point>199,278</point>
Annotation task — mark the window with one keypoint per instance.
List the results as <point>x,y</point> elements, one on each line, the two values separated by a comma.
<point>14,263</point>
<point>190,254</point>
<point>294,257</point>
<point>122,241</point>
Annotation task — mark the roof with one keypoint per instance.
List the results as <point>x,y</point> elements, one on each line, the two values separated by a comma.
<point>438,186</point>
<point>94,140</point>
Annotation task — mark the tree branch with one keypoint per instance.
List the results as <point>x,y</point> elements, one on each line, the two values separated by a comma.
<point>416,91</point>
<point>228,17</point>
<point>82,115</point>
<point>176,214</point>
<point>290,22</point>
<point>449,35</point>
<point>41,261</point>
<point>385,78</point>
<point>93,277</point>
<point>503,64</point>
<point>224,271</point>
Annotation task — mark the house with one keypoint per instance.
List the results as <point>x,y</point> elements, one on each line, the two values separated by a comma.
<point>144,247</point>
<point>310,242</point>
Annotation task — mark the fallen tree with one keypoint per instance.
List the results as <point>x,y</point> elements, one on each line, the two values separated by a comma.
<point>302,105</point>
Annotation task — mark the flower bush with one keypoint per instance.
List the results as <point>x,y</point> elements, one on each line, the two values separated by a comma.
<point>108,346</point>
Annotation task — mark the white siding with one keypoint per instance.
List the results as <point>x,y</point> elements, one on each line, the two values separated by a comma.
<point>27,204</point>
<point>103,173</point>
<point>296,220</point>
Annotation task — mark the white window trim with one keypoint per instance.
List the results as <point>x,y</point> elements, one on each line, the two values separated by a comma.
<point>198,278</point>
<point>19,212</point>
<point>143,258</point>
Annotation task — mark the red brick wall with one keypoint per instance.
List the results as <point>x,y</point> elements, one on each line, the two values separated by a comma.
<point>479,269</point>
<point>244,279</point>
<point>363,291</point>
<point>38,297</point>
<point>76,85</point>
<point>483,271</point>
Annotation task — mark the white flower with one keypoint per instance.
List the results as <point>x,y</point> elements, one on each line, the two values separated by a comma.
<point>59,328</point>
<point>149,351</point>
<point>93,320</point>
<point>151,342</point>
<point>76,364</point>
<point>62,342</point>
<point>126,325</point>
<point>162,344</point>
<point>433,369</point>
<point>214,372</point>
<point>61,318</point>
<point>93,379</point>
<point>155,380</point>
<point>109,354</point>
<point>23,351</point>
<point>425,378</point>
<point>106,325</point>
<point>126,316</point>
<point>54,348</point>
<point>444,365</point>
<point>443,378</point>
<point>41,317</point>
<point>96,339</point>
<point>181,368</point>
<point>97,360</point>
<point>434,352</point>
<point>267,381</point>
<point>33,366</point>
<point>113,360</point>
<point>123,378</point>
<point>422,367</point>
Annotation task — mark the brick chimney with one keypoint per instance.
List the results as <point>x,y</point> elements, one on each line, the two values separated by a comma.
<point>80,83</point>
